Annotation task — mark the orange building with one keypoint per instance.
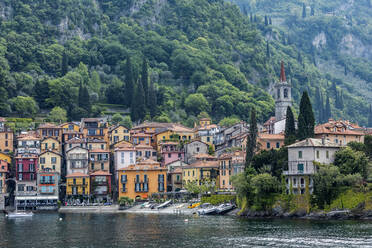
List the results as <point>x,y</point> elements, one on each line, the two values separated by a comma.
<point>266,141</point>
<point>46,130</point>
<point>340,132</point>
<point>95,128</point>
<point>3,173</point>
<point>141,180</point>
<point>230,164</point>
<point>6,137</point>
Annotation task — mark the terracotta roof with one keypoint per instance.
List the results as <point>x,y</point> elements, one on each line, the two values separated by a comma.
<point>100,173</point>
<point>2,119</point>
<point>311,142</point>
<point>75,140</point>
<point>328,129</point>
<point>141,135</point>
<point>271,120</point>
<point>26,156</point>
<point>169,143</point>
<point>77,174</point>
<point>203,155</point>
<point>181,128</point>
<point>125,147</point>
<point>93,119</point>
<point>148,164</point>
<point>51,152</point>
<point>113,127</point>
<point>268,136</point>
<point>147,124</point>
<point>48,125</point>
<point>203,164</point>
<point>140,146</point>
<point>98,151</point>
<point>50,138</point>
<point>28,137</point>
<point>95,141</point>
<point>207,127</point>
<point>177,170</point>
<point>76,147</point>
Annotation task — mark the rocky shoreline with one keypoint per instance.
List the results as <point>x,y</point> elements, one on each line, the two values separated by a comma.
<point>301,214</point>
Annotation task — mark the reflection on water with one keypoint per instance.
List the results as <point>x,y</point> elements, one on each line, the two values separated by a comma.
<point>134,230</point>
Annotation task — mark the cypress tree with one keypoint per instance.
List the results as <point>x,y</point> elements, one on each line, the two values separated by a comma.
<point>266,21</point>
<point>129,83</point>
<point>341,100</point>
<point>255,18</point>
<point>145,79</point>
<point>319,104</point>
<point>251,139</point>
<point>41,90</point>
<point>84,99</point>
<point>327,111</point>
<point>138,109</point>
<point>306,120</point>
<point>290,128</point>
<point>370,116</point>
<point>334,89</point>
<point>251,18</point>
<point>312,13</point>
<point>152,99</point>
<point>64,66</point>
<point>303,11</point>
<point>270,22</point>
<point>267,49</point>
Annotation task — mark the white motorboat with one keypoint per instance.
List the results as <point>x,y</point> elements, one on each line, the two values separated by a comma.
<point>19,214</point>
<point>225,208</point>
<point>164,205</point>
<point>207,209</point>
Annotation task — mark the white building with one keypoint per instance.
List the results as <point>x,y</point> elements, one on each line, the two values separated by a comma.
<point>77,160</point>
<point>124,156</point>
<point>301,158</point>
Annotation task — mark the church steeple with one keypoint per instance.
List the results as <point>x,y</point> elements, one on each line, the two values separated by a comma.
<point>282,73</point>
<point>283,96</point>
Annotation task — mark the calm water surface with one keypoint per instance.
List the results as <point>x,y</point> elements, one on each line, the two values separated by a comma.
<point>135,230</point>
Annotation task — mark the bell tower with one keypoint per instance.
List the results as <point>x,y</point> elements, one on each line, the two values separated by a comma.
<point>282,95</point>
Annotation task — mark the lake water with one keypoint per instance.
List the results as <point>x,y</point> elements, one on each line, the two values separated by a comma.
<point>137,230</point>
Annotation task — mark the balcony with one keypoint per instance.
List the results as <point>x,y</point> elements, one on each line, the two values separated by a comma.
<point>47,181</point>
<point>48,192</point>
<point>77,183</point>
<point>141,181</point>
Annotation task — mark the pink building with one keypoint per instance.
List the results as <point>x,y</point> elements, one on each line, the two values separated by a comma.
<point>170,152</point>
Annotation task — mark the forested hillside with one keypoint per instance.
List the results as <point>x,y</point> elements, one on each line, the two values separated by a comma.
<point>167,60</point>
<point>334,36</point>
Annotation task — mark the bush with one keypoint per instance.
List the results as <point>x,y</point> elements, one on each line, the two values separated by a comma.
<point>218,199</point>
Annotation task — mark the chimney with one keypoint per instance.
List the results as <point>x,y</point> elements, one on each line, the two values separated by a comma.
<point>282,73</point>
<point>323,140</point>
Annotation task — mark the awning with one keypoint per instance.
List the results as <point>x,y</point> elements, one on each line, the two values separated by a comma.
<point>35,197</point>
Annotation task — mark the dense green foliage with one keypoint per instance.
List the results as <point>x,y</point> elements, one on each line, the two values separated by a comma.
<point>327,47</point>
<point>251,146</point>
<point>306,120</point>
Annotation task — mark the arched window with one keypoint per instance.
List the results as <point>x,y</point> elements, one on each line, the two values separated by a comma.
<point>285,93</point>
<point>278,94</point>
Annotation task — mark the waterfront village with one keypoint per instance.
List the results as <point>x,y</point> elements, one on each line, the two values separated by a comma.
<point>91,161</point>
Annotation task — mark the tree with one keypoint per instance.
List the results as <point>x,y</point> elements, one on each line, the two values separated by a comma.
<point>24,106</point>
<point>351,162</point>
<point>370,116</point>
<point>117,118</point>
<point>126,122</point>
<point>138,108</point>
<point>290,128</point>
<point>267,49</point>
<point>58,115</point>
<point>129,83</point>
<point>83,98</point>
<point>303,10</point>
<point>306,120</point>
<point>327,110</point>
<point>251,139</point>
<point>266,21</point>
<point>41,90</point>
<point>264,186</point>
<point>229,121</point>
<point>152,100</point>
<point>312,12</point>
<point>368,145</point>
<point>145,80</point>
<point>196,103</point>
<point>64,66</point>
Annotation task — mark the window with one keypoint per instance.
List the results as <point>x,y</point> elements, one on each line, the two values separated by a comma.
<point>92,166</point>
<point>277,144</point>
<point>268,145</point>
<point>193,173</point>
<point>179,155</point>
<point>53,160</point>
<point>46,146</point>
<point>223,182</point>
<point>53,146</point>
<point>302,181</point>
<point>102,146</point>
<point>299,154</point>
<point>278,94</point>
<point>102,166</point>
<point>137,178</point>
<point>20,176</point>
<point>327,154</point>
<point>300,167</point>
<point>294,181</point>
<point>285,93</point>
<point>20,167</point>
<point>124,187</point>
<point>42,160</point>
<point>83,181</point>
<point>169,155</point>
<point>197,149</point>
<point>124,178</point>
<point>31,167</point>
<point>6,143</point>
<point>145,178</point>
<point>317,154</point>
<point>21,187</point>
<point>74,180</point>
<point>188,173</point>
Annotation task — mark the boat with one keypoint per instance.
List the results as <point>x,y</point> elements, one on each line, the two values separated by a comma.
<point>19,214</point>
<point>225,208</point>
<point>207,209</point>
<point>164,205</point>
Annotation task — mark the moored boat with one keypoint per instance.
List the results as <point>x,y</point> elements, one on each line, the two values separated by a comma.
<point>207,209</point>
<point>19,214</point>
<point>225,208</point>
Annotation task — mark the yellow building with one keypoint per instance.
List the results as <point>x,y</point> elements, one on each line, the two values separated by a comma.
<point>3,173</point>
<point>49,160</point>
<point>70,126</point>
<point>77,184</point>
<point>5,157</point>
<point>95,128</point>
<point>201,171</point>
<point>141,180</point>
<point>6,137</point>
<point>122,143</point>
<point>176,132</point>
<point>50,144</point>
<point>204,122</point>
<point>118,133</point>
<point>99,160</point>
<point>93,144</point>
<point>50,130</point>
